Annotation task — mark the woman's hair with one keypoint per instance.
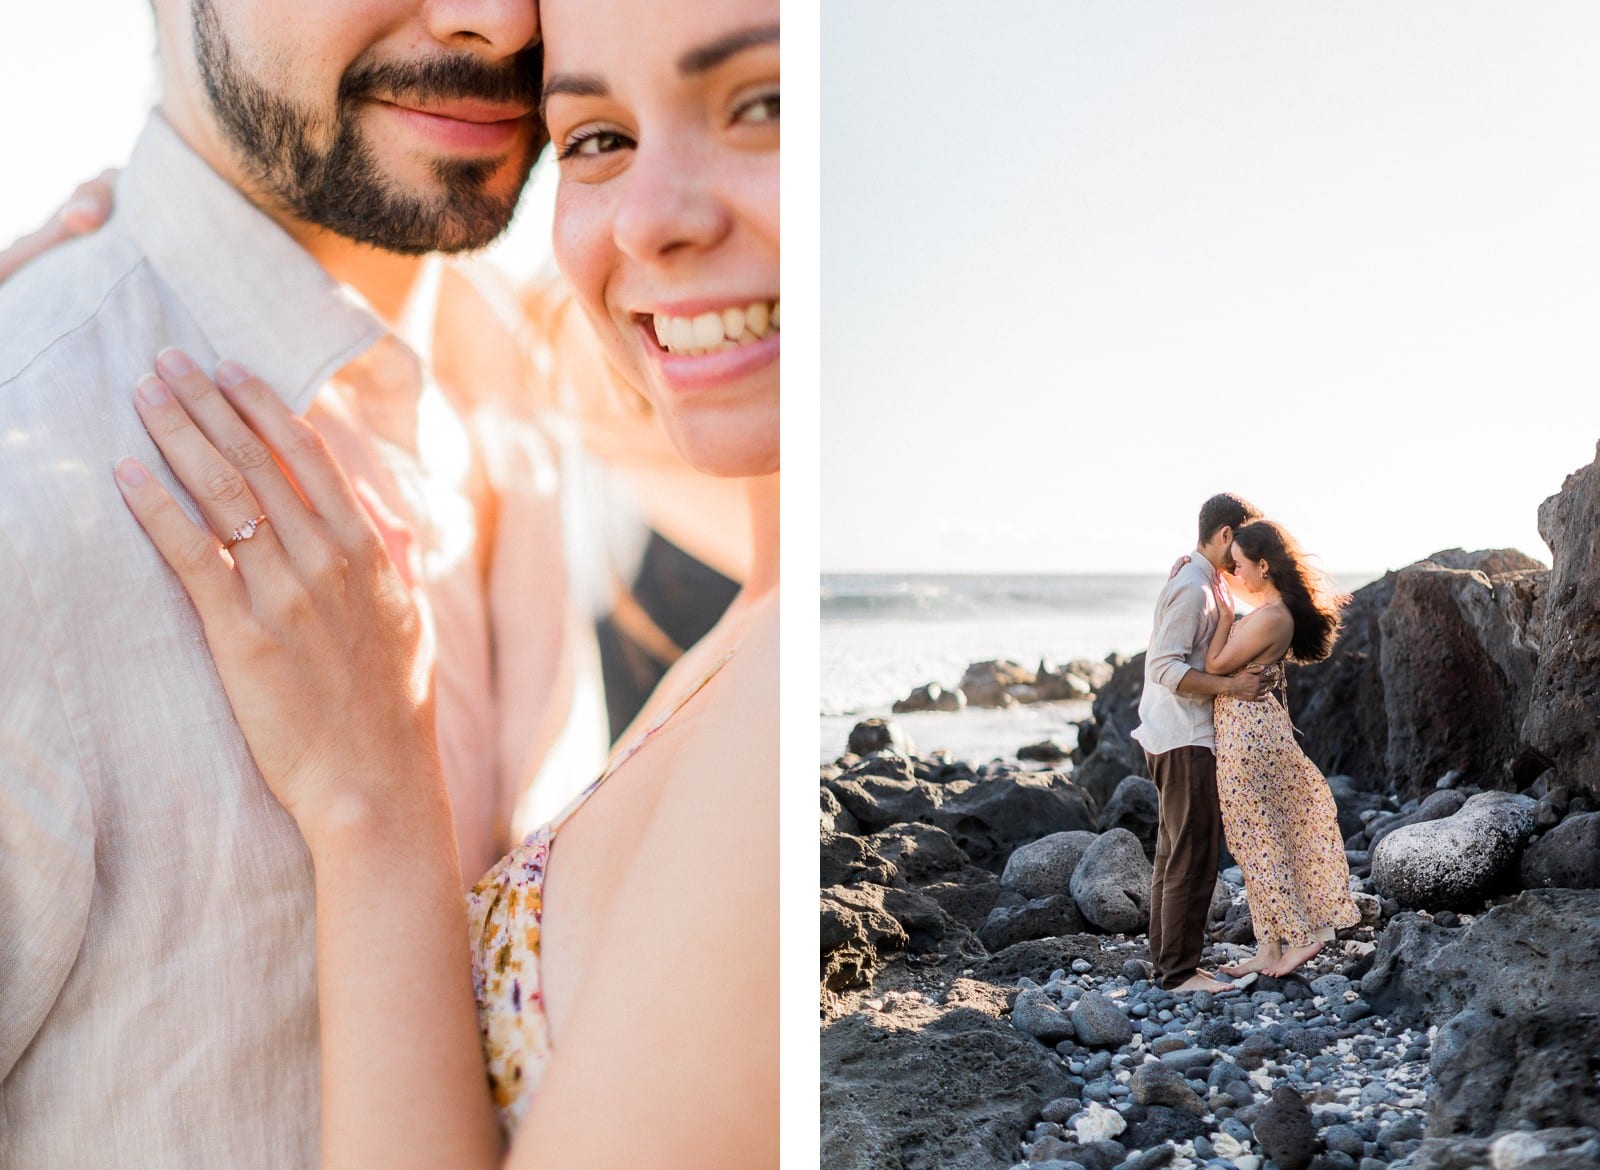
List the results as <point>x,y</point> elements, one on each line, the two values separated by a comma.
<point>1308,593</point>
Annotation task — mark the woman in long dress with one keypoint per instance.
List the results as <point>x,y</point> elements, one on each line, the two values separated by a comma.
<point>620,978</point>
<point>1278,814</point>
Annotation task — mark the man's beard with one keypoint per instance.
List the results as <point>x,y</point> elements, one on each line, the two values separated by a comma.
<point>341,186</point>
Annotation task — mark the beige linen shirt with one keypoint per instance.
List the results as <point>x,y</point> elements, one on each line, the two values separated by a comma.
<point>157,992</point>
<point>1186,617</point>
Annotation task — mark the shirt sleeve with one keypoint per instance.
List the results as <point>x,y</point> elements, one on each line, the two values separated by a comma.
<point>1173,641</point>
<point>46,822</point>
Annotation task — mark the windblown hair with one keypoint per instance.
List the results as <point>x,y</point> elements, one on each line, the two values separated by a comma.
<point>1308,592</point>
<point>1225,510</point>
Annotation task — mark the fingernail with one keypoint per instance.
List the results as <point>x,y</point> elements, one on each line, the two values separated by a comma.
<point>85,208</point>
<point>231,374</point>
<point>153,390</point>
<point>174,363</point>
<point>131,472</point>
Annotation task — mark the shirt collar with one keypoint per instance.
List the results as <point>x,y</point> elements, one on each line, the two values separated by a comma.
<point>259,297</point>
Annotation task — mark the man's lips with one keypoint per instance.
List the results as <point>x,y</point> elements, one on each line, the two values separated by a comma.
<point>465,124</point>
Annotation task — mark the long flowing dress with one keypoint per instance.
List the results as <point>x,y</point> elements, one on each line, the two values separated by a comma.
<point>1280,823</point>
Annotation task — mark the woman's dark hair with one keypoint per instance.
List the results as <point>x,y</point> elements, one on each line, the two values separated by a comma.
<point>1308,593</point>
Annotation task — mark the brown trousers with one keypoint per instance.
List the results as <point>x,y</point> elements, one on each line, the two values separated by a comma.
<point>1188,843</point>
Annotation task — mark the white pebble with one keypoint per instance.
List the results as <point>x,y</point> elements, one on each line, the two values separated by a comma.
<point>1514,1149</point>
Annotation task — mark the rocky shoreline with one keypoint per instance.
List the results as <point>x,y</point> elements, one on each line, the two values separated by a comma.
<point>985,993</point>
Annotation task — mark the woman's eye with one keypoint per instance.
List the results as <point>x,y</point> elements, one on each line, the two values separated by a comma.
<point>593,143</point>
<point>761,109</point>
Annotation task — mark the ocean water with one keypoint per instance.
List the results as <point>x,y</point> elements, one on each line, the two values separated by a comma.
<point>884,634</point>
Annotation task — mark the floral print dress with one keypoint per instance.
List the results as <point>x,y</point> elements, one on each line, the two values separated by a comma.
<point>1280,822</point>
<point>505,915</point>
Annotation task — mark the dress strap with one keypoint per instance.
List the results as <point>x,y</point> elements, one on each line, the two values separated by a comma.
<point>623,757</point>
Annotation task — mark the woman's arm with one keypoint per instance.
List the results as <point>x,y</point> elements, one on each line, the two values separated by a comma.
<point>326,662</point>
<point>82,213</point>
<point>1219,636</point>
<point>1265,629</point>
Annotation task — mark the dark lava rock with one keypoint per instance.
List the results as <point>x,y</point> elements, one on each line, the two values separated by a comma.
<point>985,683</point>
<point>876,802</point>
<point>1309,1041</point>
<point>1563,721</point>
<point>1115,757</point>
<point>1156,1083</point>
<point>1460,647</point>
<point>920,853</point>
<point>1285,1130</point>
<point>877,735</point>
<point>1039,918</point>
<point>1256,1049</point>
<point>957,1094</point>
<point>932,697</point>
<point>1162,1124</point>
<point>1046,752</point>
<point>1112,883</point>
<point>968,902</point>
<point>1036,959</point>
<point>1037,1015</point>
<point>1455,863</point>
<point>1550,1149</point>
<point>847,859</point>
<point>858,935</point>
<point>1044,867</point>
<point>834,817</point>
<point>1351,803</point>
<point>1568,856</point>
<point>1100,1023</point>
<point>1133,807</point>
<point>1535,950</point>
<point>989,818</point>
<point>1540,1066</point>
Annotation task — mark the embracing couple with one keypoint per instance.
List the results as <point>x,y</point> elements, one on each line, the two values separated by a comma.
<point>1220,747</point>
<point>284,621</point>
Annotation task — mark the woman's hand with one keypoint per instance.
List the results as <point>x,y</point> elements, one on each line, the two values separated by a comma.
<point>1177,566</point>
<point>324,656</point>
<point>84,212</point>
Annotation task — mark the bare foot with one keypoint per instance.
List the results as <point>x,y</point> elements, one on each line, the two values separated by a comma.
<point>1259,961</point>
<point>1199,981</point>
<point>1293,959</point>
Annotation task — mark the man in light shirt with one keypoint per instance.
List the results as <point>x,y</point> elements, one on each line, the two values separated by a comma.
<point>1175,732</point>
<point>157,982</point>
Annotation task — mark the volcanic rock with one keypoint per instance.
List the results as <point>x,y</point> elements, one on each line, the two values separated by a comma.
<point>877,735</point>
<point>1534,951</point>
<point>1455,863</point>
<point>1039,918</point>
<point>1133,806</point>
<point>1099,1022</point>
<point>1112,883</point>
<point>1459,652</point>
<point>1540,1066</point>
<point>1155,1083</point>
<point>985,683</point>
<point>1563,718</point>
<point>951,1088</point>
<point>1044,867</point>
<point>847,859</point>
<point>989,818</point>
<point>1285,1130</point>
<point>1567,856</point>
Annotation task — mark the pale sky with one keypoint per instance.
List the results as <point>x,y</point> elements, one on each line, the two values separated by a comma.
<point>1085,264</point>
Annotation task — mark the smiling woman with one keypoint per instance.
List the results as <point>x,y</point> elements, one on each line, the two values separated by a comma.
<point>667,215</point>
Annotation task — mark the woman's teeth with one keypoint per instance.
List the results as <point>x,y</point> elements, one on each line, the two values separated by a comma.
<point>717,330</point>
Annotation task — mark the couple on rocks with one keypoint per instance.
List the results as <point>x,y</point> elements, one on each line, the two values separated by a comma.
<point>1221,750</point>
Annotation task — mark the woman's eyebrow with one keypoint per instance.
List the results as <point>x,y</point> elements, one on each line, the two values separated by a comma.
<point>574,85</point>
<point>708,57</point>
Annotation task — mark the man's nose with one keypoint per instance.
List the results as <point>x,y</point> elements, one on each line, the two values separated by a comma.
<point>502,26</point>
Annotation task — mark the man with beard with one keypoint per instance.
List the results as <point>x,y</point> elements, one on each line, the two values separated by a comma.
<point>157,986</point>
